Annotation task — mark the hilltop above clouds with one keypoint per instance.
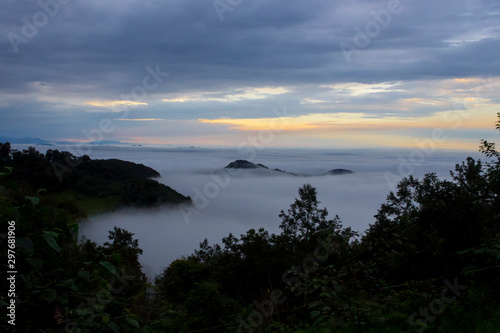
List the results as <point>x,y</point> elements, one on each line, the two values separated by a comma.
<point>264,170</point>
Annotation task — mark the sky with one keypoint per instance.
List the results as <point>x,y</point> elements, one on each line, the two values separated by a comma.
<point>318,73</point>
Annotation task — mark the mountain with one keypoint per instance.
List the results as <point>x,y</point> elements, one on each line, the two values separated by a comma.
<point>26,140</point>
<point>38,141</point>
<point>90,185</point>
<point>107,142</point>
<point>131,181</point>
<point>339,172</point>
<point>244,164</point>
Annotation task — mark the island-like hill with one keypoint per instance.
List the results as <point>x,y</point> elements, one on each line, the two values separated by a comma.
<point>93,186</point>
<point>244,164</point>
<point>339,172</point>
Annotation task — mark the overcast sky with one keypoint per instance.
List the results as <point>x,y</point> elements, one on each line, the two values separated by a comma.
<point>316,73</point>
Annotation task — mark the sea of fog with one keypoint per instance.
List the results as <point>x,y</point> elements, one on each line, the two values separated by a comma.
<point>236,203</point>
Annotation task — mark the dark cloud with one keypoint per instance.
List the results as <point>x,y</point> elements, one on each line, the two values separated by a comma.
<point>100,50</point>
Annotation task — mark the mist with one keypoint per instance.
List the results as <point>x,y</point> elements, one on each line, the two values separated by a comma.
<point>234,202</point>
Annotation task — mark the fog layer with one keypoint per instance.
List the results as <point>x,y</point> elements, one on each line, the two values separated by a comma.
<point>227,203</point>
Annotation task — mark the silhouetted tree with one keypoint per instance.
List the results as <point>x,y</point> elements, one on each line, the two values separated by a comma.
<point>304,219</point>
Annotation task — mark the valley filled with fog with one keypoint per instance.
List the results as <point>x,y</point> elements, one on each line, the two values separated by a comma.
<point>225,202</point>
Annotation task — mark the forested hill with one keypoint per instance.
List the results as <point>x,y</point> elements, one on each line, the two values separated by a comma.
<point>107,184</point>
<point>244,164</point>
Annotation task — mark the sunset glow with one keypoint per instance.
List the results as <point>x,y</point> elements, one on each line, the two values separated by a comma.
<point>195,79</point>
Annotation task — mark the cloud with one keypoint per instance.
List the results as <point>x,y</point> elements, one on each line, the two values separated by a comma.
<point>311,101</point>
<point>236,96</point>
<point>119,108</point>
<point>113,104</point>
<point>361,89</point>
<point>247,201</point>
<point>148,119</point>
<point>261,56</point>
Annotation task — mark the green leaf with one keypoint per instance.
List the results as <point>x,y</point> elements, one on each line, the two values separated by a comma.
<point>25,244</point>
<point>117,257</point>
<point>52,243</point>
<point>34,200</point>
<point>114,327</point>
<point>75,227</point>
<point>35,262</point>
<point>50,295</point>
<point>9,171</point>
<point>28,284</point>
<point>315,314</point>
<point>109,266</point>
<point>132,322</point>
<point>84,275</point>
<point>51,233</point>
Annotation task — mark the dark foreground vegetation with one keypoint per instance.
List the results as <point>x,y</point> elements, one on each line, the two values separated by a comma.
<point>430,262</point>
<point>83,185</point>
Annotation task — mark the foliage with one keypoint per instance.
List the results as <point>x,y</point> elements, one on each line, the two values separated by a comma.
<point>84,179</point>
<point>85,286</point>
<point>430,262</point>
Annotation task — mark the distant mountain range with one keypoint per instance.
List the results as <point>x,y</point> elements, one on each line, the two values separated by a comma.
<point>38,141</point>
<point>244,164</point>
<point>26,140</point>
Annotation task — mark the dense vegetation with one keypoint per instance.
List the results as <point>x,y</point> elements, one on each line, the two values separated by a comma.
<point>430,262</point>
<point>70,180</point>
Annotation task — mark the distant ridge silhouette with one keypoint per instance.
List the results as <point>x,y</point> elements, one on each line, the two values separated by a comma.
<point>244,164</point>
